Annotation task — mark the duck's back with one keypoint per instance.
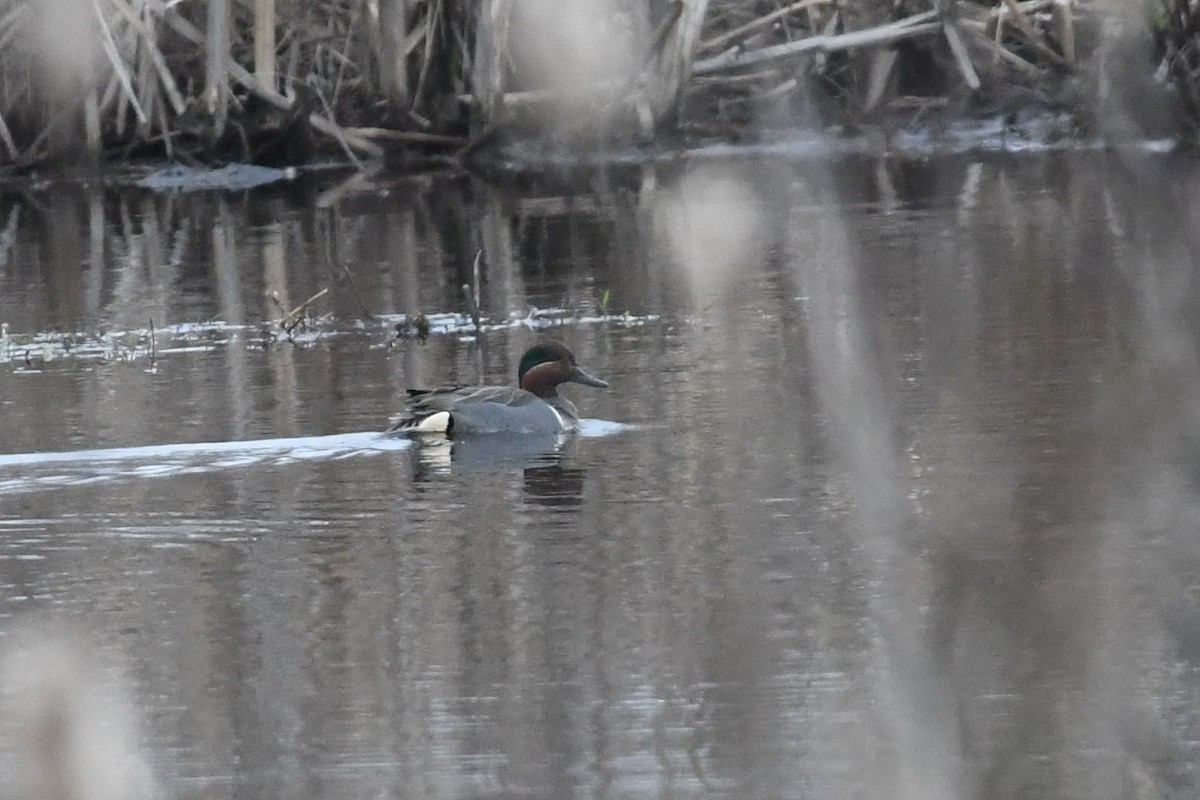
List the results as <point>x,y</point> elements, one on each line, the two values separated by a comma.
<point>482,409</point>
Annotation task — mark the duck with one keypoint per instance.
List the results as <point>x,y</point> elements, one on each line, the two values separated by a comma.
<point>533,406</point>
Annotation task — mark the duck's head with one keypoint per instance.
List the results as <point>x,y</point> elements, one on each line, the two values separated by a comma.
<point>544,366</point>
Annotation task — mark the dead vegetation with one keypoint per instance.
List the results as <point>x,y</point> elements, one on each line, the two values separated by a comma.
<point>1176,27</point>
<point>920,53</point>
<point>277,81</point>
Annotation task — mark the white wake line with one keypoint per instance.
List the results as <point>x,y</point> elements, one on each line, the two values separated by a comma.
<point>303,447</point>
<point>310,446</point>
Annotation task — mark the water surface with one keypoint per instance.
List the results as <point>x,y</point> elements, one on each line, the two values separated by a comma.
<point>902,501</point>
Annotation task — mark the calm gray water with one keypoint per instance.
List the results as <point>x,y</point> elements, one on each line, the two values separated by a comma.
<point>896,492</point>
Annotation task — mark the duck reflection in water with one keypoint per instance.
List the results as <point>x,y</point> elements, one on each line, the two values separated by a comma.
<point>554,486</point>
<point>496,451</point>
<point>547,482</point>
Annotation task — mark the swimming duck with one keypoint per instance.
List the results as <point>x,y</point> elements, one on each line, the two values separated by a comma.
<point>533,406</point>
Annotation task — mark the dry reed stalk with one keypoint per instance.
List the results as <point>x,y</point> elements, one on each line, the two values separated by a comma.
<point>491,47</point>
<point>882,63</point>
<point>961,57</point>
<point>147,36</point>
<point>142,79</point>
<point>1017,15</point>
<point>217,64</point>
<point>1002,10</point>
<point>264,42</point>
<point>340,134</point>
<point>165,127</point>
<point>118,64</point>
<point>1031,72</point>
<point>718,42</point>
<point>7,138</point>
<point>1064,25</point>
<point>393,57</point>
<point>293,63</point>
<point>151,93</point>
<point>274,98</point>
<point>113,95</point>
<point>915,26</point>
<point>91,123</point>
<point>293,318</point>
<point>343,61</point>
<point>432,16</point>
<point>735,79</point>
<point>408,137</point>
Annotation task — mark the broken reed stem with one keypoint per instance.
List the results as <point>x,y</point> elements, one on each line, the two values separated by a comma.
<point>294,317</point>
<point>304,306</point>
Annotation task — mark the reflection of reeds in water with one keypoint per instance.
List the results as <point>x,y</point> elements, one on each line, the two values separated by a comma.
<point>69,733</point>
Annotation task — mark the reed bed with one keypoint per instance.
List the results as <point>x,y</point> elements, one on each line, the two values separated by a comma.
<point>259,80</point>
<point>870,57</point>
<point>1176,28</point>
<point>278,81</point>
